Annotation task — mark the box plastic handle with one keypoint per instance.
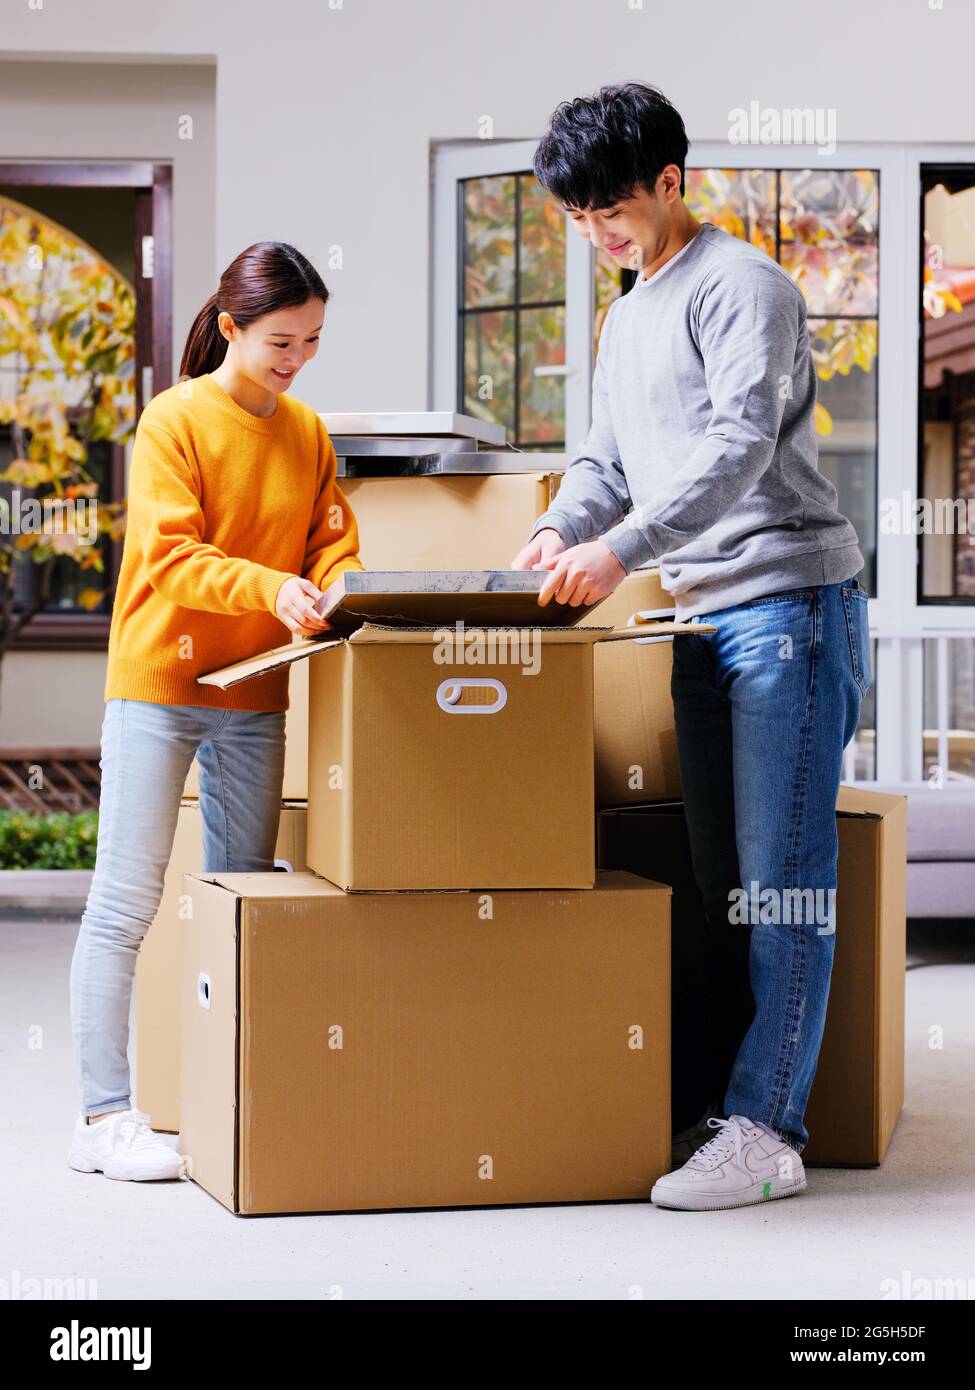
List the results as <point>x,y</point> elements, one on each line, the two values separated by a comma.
<point>448,695</point>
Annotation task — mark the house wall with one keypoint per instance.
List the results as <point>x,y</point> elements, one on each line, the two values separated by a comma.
<point>104,111</point>
<point>315,122</point>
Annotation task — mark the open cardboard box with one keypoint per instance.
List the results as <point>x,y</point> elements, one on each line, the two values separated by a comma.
<point>404,790</point>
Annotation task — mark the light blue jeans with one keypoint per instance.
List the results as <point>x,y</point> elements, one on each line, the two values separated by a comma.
<point>763,710</point>
<point>147,750</point>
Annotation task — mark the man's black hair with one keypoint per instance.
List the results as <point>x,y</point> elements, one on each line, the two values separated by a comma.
<point>598,149</point>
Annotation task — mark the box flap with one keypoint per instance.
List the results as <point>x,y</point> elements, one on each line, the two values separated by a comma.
<point>859,801</point>
<point>649,630</point>
<point>226,676</point>
<point>272,884</point>
<point>394,634</point>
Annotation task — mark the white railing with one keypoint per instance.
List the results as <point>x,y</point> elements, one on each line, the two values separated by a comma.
<point>901,737</point>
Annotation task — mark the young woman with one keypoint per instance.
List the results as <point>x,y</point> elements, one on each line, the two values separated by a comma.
<point>235,526</point>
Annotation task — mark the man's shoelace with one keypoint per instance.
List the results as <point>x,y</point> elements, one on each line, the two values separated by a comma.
<point>722,1146</point>
<point>694,1130</point>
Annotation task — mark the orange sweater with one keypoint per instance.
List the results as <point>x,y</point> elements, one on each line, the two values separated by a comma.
<point>223,507</point>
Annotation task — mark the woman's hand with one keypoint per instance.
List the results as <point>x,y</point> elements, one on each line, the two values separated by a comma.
<point>295,606</point>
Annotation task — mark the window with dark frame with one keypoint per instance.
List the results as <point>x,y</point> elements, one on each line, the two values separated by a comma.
<point>946,386</point>
<point>512,308</point>
<point>62,623</point>
<point>821,225</point>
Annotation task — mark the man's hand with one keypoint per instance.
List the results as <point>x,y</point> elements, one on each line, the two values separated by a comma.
<point>295,606</point>
<point>540,552</point>
<point>582,574</point>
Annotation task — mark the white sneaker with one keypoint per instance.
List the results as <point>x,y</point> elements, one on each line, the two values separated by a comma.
<point>121,1145</point>
<point>744,1162</point>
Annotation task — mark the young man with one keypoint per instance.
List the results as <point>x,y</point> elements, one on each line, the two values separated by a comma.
<point>702,460</point>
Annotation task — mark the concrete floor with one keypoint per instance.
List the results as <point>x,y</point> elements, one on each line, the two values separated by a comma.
<point>910,1218</point>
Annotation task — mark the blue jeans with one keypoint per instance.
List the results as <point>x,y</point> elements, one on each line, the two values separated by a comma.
<point>763,709</point>
<point>147,750</point>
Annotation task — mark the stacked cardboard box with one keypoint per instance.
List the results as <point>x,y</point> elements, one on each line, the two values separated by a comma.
<point>349,1051</point>
<point>435,1007</point>
<point>635,738</point>
<point>158,1011</point>
<point>858,1092</point>
<point>453,1008</point>
<point>446,521</point>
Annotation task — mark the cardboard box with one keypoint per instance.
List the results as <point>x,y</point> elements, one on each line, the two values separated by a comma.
<point>294,786</point>
<point>157,1014</point>
<point>447,521</point>
<point>347,1052</point>
<point>858,1092</point>
<point>706,1030</point>
<point>440,763</point>
<point>635,741</point>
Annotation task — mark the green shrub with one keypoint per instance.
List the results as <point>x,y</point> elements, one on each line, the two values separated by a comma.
<point>59,841</point>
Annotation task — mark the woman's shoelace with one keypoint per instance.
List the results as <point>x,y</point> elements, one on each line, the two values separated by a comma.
<point>133,1125</point>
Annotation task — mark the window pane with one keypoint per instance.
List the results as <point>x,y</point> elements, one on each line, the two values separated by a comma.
<point>68,580</point>
<point>949,664</point>
<point>826,222</point>
<point>740,201</point>
<point>542,404</point>
<point>489,240</point>
<point>828,230</point>
<point>67,381</point>
<point>844,351</point>
<point>947,465</point>
<point>541,272</point>
<point>489,368</point>
<point>606,288</point>
<point>514,258</point>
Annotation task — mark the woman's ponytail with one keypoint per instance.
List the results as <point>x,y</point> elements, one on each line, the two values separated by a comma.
<point>206,346</point>
<point>267,276</point>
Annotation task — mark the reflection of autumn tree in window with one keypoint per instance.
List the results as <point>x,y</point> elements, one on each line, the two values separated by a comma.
<point>67,353</point>
<point>821,226</point>
<point>513,315</point>
<point>948,375</point>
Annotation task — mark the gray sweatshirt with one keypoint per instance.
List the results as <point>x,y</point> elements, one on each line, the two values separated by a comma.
<point>702,455</point>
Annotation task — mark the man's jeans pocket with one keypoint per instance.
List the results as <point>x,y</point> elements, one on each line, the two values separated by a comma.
<point>858,628</point>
